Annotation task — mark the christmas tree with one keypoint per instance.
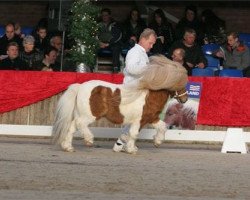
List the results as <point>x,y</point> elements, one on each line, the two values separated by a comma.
<point>83,30</point>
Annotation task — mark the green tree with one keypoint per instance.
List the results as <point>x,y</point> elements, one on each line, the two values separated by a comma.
<point>83,30</point>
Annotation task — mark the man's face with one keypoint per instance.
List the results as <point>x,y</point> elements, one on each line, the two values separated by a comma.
<point>57,43</point>
<point>10,31</point>
<point>135,16</point>
<point>12,52</point>
<point>147,44</point>
<point>190,15</point>
<point>232,41</point>
<point>52,57</point>
<point>106,17</point>
<point>189,38</point>
<point>42,33</point>
<point>177,56</point>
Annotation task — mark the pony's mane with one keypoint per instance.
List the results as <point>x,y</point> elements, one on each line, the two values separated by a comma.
<point>162,73</point>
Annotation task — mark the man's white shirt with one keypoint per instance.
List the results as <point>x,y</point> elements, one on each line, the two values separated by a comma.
<point>136,62</point>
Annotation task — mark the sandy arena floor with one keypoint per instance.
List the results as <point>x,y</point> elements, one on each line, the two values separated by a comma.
<point>31,168</point>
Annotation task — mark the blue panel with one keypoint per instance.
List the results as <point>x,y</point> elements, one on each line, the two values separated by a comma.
<point>231,73</point>
<point>202,72</point>
<point>208,49</point>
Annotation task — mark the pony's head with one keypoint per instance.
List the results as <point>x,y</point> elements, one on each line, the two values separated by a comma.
<point>162,73</point>
<point>181,96</point>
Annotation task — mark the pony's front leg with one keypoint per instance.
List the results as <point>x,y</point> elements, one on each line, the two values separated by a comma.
<point>160,127</point>
<point>132,136</point>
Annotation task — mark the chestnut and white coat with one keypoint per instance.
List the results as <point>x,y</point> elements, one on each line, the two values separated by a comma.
<point>136,104</point>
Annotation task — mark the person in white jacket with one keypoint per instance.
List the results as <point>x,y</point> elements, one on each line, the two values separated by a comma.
<point>136,62</point>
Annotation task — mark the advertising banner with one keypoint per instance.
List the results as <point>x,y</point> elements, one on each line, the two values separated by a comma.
<point>183,116</point>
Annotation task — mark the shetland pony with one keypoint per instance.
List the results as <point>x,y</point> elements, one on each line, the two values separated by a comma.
<point>181,116</point>
<point>138,103</point>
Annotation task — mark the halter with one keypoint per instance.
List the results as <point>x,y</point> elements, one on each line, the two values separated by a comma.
<point>177,96</point>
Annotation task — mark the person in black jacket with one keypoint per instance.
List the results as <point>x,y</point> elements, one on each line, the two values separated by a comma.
<point>164,31</point>
<point>8,37</point>
<point>133,26</point>
<point>194,56</point>
<point>110,37</point>
<point>13,62</point>
<point>189,20</point>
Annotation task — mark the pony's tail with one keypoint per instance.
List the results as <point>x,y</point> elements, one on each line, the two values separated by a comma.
<point>64,114</point>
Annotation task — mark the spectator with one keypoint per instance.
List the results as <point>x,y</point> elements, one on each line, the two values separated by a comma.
<point>67,64</point>
<point>190,20</point>
<point>194,56</point>
<point>212,28</point>
<point>8,37</point>
<point>179,56</point>
<point>13,62</point>
<point>49,61</point>
<point>29,54</point>
<point>110,35</point>
<point>41,39</point>
<point>164,31</point>
<point>18,30</point>
<point>235,54</point>
<point>132,28</point>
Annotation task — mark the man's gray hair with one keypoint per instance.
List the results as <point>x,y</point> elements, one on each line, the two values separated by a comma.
<point>28,39</point>
<point>147,32</point>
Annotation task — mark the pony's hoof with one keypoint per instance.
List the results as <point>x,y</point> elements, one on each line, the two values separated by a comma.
<point>88,144</point>
<point>157,142</point>
<point>69,149</point>
<point>131,150</point>
<point>157,145</point>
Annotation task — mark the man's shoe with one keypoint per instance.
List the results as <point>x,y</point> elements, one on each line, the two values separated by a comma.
<point>118,146</point>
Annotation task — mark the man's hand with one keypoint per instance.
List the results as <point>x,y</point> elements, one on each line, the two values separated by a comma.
<point>103,45</point>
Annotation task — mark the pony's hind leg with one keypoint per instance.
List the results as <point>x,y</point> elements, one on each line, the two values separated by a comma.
<point>87,135</point>
<point>66,144</point>
<point>160,127</point>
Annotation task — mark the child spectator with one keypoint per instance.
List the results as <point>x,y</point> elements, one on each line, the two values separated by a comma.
<point>41,39</point>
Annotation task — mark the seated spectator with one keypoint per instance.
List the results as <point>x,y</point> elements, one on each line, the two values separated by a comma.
<point>49,61</point>
<point>212,28</point>
<point>8,37</point>
<point>110,35</point>
<point>18,30</point>
<point>193,53</point>
<point>29,54</point>
<point>189,21</point>
<point>132,28</point>
<point>179,56</point>
<point>164,31</point>
<point>67,64</point>
<point>41,39</point>
<point>235,54</point>
<point>13,62</point>
<point>56,42</point>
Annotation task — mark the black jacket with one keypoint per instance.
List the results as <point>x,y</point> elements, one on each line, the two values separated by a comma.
<point>16,64</point>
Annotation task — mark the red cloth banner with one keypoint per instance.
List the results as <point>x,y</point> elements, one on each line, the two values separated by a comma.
<point>223,102</point>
